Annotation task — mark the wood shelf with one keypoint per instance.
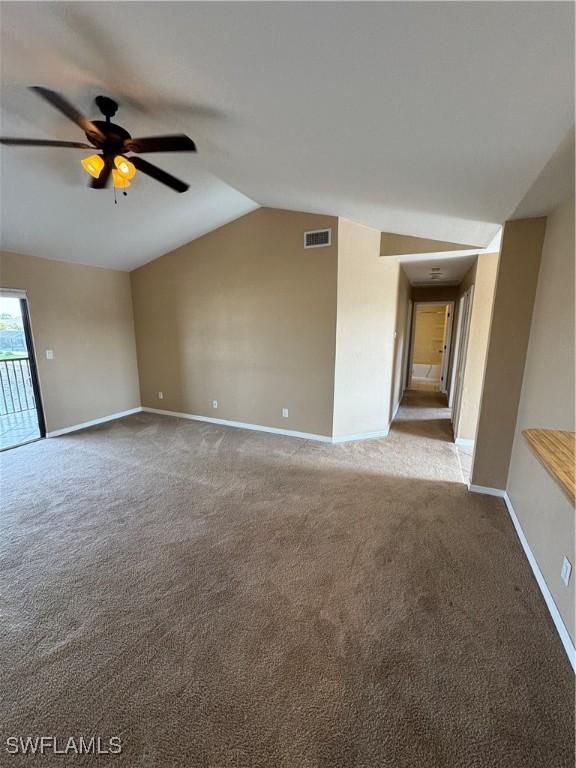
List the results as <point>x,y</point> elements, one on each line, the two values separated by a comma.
<point>555,449</point>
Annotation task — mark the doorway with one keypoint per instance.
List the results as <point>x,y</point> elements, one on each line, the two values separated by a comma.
<point>21,416</point>
<point>430,346</point>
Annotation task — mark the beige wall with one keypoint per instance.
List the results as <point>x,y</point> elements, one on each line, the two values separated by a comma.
<point>510,328</point>
<point>483,276</point>
<point>245,316</point>
<point>435,293</point>
<point>367,303</point>
<point>392,244</point>
<point>84,314</point>
<point>545,513</point>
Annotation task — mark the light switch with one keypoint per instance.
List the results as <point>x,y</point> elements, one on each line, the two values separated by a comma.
<point>566,571</point>
<point>49,354</point>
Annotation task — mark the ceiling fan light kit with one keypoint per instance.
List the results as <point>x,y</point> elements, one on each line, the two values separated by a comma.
<point>93,165</point>
<point>119,181</point>
<point>124,167</point>
<point>113,142</point>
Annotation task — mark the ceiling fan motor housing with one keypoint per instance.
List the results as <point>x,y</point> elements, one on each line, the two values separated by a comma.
<point>114,137</point>
<point>107,106</point>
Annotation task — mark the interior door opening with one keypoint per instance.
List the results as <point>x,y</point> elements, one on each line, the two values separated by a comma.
<point>430,346</point>
<point>21,416</point>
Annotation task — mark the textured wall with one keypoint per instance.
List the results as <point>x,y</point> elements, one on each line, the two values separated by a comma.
<point>483,275</point>
<point>367,308</point>
<point>510,328</point>
<point>545,513</point>
<point>83,314</point>
<point>245,316</point>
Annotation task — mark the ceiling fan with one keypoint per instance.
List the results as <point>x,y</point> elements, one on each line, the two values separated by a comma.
<point>113,142</point>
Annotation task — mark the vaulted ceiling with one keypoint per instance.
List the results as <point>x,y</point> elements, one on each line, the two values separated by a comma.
<point>426,119</point>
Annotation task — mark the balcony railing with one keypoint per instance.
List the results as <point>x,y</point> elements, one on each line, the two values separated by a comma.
<point>16,390</point>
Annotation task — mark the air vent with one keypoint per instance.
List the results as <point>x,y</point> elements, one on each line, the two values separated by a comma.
<point>318,238</point>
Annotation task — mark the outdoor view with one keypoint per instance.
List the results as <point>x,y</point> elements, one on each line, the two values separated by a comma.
<point>18,417</point>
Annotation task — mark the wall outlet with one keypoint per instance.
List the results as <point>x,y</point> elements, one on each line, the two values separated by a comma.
<point>49,354</point>
<point>160,395</point>
<point>566,571</point>
<point>214,403</point>
<point>285,413</point>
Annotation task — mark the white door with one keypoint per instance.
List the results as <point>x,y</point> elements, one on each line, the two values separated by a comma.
<point>446,348</point>
<point>466,314</point>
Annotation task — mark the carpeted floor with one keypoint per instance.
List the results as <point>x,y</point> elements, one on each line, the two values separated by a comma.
<point>221,598</point>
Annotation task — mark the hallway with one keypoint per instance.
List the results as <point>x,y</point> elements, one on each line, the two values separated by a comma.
<point>425,415</point>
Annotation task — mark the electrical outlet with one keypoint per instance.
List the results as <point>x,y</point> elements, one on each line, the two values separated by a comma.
<point>285,413</point>
<point>49,354</point>
<point>160,395</point>
<point>566,571</point>
<point>214,403</point>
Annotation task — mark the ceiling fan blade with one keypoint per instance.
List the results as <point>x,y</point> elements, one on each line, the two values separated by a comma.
<point>157,173</point>
<point>43,143</point>
<point>178,143</point>
<point>104,177</point>
<point>64,106</point>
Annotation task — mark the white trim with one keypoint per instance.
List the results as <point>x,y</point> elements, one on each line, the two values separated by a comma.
<point>224,423</point>
<point>241,425</point>
<point>360,436</point>
<point>546,594</point>
<point>272,430</point>
<point>94,422</point>
<point>486,491</point>
<point>464,442</point>
<point>447,346</point>
<point>12,293</point>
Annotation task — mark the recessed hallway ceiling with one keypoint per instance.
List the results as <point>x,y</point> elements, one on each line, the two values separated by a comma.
<point>426,271</point>
<point>429,119</point>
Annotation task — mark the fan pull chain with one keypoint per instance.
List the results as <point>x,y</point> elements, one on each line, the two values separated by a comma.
<point>115,200</point>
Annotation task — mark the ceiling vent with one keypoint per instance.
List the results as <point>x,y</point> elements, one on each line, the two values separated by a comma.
<point>318,238</point>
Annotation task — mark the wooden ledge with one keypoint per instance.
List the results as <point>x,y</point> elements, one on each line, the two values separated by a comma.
<point>555,449</point>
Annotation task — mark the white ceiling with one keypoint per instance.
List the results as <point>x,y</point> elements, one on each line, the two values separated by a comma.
<point>428,119</point>
<point>447,271</point>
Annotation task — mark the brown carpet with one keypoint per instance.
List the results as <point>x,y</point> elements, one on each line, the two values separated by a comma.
<point>224,598</point>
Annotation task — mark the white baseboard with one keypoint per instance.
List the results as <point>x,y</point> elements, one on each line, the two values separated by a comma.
<point>242,425</point>
<point>93,423</point>
<point>464,442</point>
<point>546,594</point>
<point>359,436</point>
<point>224,423</point>
<point>272,430</point>
<point>554,612</point>
<point>486,491</point>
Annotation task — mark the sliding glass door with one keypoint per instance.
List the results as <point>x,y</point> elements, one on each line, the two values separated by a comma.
<point>21,419</point>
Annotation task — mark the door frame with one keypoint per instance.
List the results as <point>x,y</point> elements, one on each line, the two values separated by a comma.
<point>15,293</point>
<point>407,347</point>
<point>456,356</point>
<point>446,344</point>
<point>33,367</point>
<point>466,314</point>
